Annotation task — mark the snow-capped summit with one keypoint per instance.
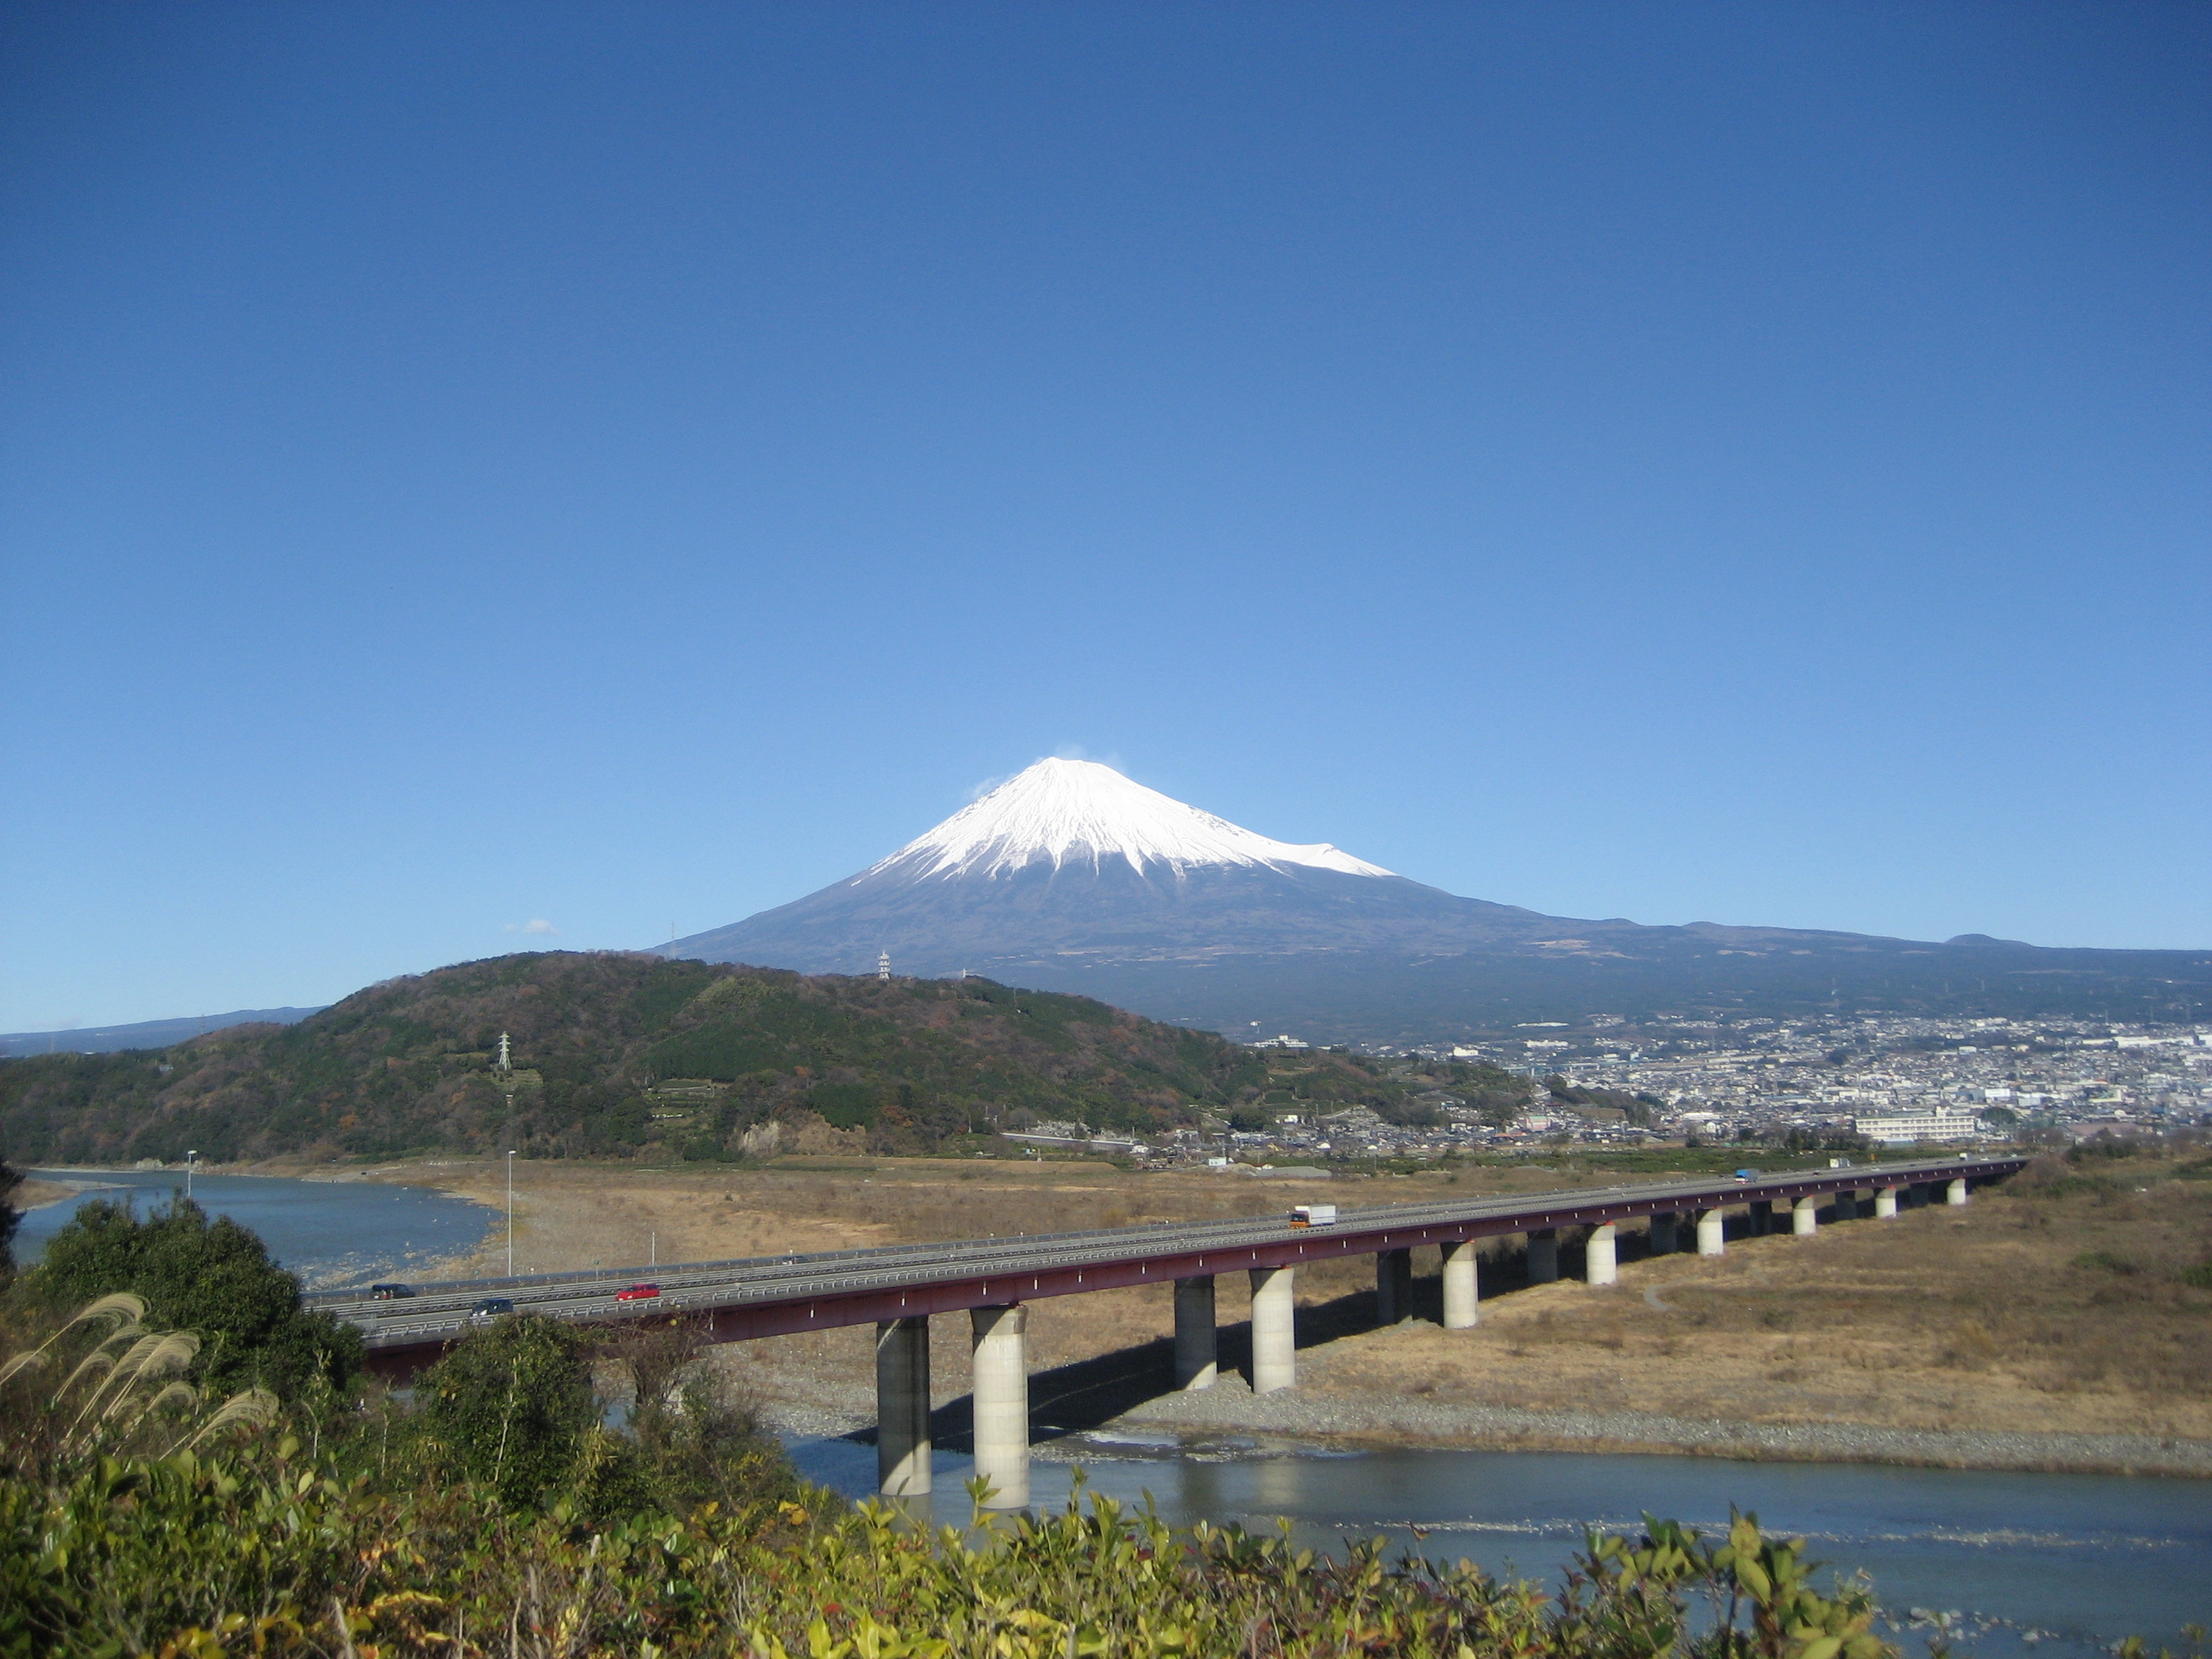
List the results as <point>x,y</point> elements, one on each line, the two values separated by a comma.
<point>1079,812</point>
<point>1069,867</point>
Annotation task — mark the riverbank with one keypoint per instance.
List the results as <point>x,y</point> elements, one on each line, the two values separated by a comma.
<point>1373,1420</point>
<point>36,1194</point>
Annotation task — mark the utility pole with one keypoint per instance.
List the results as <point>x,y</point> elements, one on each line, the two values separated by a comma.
<point>510,1213</point>
<point>191,1152</point>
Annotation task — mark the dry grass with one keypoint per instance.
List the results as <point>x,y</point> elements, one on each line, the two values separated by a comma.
<point>34,1193</point>
<point>2044,1305</point>
<point>2054,1302</point>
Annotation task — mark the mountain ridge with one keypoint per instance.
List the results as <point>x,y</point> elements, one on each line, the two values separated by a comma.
<point>600,1040</point>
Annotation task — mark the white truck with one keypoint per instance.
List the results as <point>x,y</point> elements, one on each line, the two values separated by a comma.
<point>1313,1215</point>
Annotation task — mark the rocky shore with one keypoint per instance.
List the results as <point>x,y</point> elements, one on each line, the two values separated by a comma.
<point>1374,1420</point>
<point>1338,1419</point>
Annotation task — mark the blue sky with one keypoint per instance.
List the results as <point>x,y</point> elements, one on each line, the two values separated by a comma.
<point>620,466</point>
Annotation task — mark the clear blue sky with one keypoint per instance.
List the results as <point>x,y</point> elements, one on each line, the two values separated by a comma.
<point>467,464</point>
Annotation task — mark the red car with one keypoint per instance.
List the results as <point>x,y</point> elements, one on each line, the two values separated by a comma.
<point>637,1293</point>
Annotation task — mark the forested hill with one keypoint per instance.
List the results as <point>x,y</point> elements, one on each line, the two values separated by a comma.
<point>620,1054</point>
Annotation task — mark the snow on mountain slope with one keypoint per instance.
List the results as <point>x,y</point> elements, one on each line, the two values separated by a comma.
<point>1064,811</point>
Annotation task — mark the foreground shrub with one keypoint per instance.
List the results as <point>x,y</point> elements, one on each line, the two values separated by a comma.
<point>102,1380</point>
<point>263,1549</point>
<point>513,1404</point>
<point>214,1278</point>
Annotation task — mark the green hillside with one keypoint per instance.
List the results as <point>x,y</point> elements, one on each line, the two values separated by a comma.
<point>619,1055</point>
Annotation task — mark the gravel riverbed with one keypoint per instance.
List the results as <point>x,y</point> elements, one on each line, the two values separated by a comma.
<point>1294,1415</point>
<point>1230,1406</point>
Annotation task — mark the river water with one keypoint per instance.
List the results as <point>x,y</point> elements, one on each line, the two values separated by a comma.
<point>331,1233</point>
<point>2016,1564</point>
<point>1997,1564</point>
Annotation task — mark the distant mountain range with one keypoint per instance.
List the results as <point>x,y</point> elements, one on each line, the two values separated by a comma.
<point>1072,877</point>
<point>146,1034</point>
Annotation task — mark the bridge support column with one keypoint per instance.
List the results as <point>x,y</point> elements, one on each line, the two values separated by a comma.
<point>1885,1203</point>
<point>1197,1356</point>
<point>1543,1256</point>
<point>1710,1240</point>
<point>1955,1193</point>
<point>1462,1290</point>
<point>1762,1217</point>
<point>1662,1233</point>
<point>1805,1217</point>
<point>1002,1404</point>
<point>1393,1286</point>
<point>902,1407</point>
<point>1274,1330</point>
<point>1601,1258</point>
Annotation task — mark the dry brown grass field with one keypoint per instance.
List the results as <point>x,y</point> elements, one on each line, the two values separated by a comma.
<point>2041,1306</point>
<point>2059,1301</point>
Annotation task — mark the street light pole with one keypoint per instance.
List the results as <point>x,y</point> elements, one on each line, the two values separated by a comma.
<point>510,1214</point>
<point>191,1152</point>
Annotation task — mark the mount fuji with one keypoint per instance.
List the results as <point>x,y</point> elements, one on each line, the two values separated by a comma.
<point>1070,876</point>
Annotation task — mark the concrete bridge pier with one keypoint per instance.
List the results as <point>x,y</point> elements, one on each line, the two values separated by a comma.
<point>902,1407</point>
<point>1601,1259</point>
<point>1805,1217</point>
<point>1762,1217</point>
<point>1955,1192</point>
<point>1197,1351</point>
<point>1885,1203</point>
<point>1393,1286</point>
<point>1543,1256</point>
<point>1662,1233</point>
<point>1002,1403</point>
<point>1462,1290</point>
<point>1711,1239</point>
<point>1274,1330</point>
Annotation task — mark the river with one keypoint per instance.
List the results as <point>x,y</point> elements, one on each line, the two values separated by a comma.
<point>331,1233</point>
<point>2016,1564</point>
<point>2010,1563</point>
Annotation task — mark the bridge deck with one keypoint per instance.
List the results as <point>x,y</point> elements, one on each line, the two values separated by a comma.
<point>775,1296</point>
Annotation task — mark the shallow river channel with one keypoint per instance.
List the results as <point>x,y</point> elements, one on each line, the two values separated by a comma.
<point>1994,1564</point>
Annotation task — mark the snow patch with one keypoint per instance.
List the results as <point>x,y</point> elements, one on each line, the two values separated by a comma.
<point>1065,812</point>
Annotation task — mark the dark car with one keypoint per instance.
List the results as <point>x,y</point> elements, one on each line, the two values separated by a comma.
<point>638,1293</point>
<point>389,1292</point>
<point>491,1308</point>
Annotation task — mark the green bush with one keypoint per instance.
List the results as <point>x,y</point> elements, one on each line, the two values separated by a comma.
<point>211,1276</point>
<point>514,1405</point>
<point>264,1548</point>
<point>10,1219</point>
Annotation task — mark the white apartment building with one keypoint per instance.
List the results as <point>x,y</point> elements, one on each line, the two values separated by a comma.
<point>1905,1128</point>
